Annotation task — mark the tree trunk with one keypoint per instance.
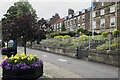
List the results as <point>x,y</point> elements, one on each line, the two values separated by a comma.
<point>25,47</point>
<point>31,44</point>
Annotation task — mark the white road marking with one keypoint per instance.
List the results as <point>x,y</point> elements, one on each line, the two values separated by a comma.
<point>44,55</point>
<point>62,60</point>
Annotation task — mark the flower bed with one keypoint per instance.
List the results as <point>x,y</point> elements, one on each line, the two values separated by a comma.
<point>21,67</point>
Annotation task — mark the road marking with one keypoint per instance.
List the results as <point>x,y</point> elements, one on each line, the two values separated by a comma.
<point>44,55</point>
<point>62,60</point>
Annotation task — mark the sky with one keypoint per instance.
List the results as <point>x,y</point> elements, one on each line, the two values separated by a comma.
<point>47,8</point>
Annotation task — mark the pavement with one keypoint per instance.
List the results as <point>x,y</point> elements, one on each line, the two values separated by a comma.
<point>80,68</point>
<point>57,66</point>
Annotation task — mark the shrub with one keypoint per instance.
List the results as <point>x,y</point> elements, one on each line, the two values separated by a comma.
<point>86,32</point>
<point>115,32</point>
<point>71,33</point>
<point>47,36</point>
<point>84,37</point>
<point>105,34</point>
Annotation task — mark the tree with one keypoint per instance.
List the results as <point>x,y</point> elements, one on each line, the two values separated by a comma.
<point>63,27</point>
<point>19,21</point>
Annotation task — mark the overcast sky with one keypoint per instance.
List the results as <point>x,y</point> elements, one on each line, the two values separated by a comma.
<point>47,8</point>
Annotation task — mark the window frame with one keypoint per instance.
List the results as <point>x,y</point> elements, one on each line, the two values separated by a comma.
<point>111,21</point>
<point>102,12</point>
<point>111,9</point>
<point>101,23</point>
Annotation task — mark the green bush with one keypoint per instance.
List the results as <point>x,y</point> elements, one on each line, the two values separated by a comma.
<point>48,36</point>
<point>115,32</point>
<point>70,33</point>
<point>105,34</point>
<point>86,32</point>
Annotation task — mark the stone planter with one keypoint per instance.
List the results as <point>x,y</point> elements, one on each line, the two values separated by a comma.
<point>23,74</point>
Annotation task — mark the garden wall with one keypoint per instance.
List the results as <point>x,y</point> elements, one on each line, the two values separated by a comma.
<point>71,52</point>
<point>105,56</point>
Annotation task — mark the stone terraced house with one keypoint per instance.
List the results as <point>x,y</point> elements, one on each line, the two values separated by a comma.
<point>78,19</point>
<point>105,17</point>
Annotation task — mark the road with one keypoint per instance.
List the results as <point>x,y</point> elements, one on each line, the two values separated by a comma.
<point>85,69</point>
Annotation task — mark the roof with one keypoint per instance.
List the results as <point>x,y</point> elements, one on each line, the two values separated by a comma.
<point>60,20</point>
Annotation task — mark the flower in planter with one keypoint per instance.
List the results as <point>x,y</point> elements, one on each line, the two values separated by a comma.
<point>21,61</point>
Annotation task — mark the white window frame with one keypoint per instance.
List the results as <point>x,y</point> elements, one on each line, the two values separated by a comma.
<point>54,27</point>
<point>60,24</point>
<point>83,17</point>
<point>94,14</point>
<point>68,22</point>
<point>78,19</point>
<point>112,19</point>
<point>102,3</point>
<point>75,21</point>
<point>94,24</point>
<point>101,23</point>
<point>102,12</point>
<point>112,9</point>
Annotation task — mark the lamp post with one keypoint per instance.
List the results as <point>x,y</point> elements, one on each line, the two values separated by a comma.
<point>79,42</point>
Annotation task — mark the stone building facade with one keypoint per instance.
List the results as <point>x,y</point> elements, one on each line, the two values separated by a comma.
<point>78,19</point>
<point>105,17</point>
<point>57,26</point>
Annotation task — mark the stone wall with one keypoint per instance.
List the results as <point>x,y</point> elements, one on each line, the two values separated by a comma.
<point>72,52</point>
<point>105,56</point>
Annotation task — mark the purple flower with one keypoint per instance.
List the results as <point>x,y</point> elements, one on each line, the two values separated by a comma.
<point>25,67</point>
<point>12,68</point>
<point>17,65</point>
<point>21,64</point>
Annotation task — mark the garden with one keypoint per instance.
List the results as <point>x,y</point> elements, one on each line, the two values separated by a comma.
<point>104,41</point>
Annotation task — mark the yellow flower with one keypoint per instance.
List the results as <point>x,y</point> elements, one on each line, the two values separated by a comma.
<point>28,59</point>
<point>15,61</point>
<point>22,58</point>
<point>35,55</point>
<point>4,47</point>
<point>2,57</point>
<point>11,58</point>
<point>12,55</point>
<point>16,57</point>
<point>31,58</point>
<point>6,57</point>
<point>31,55</point>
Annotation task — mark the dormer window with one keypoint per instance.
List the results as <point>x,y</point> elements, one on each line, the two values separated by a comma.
<point>70,15</point>
<point>102,12</point>
<point>102,3</point>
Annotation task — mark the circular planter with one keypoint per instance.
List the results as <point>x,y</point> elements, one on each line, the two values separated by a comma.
<point>23,74</point>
